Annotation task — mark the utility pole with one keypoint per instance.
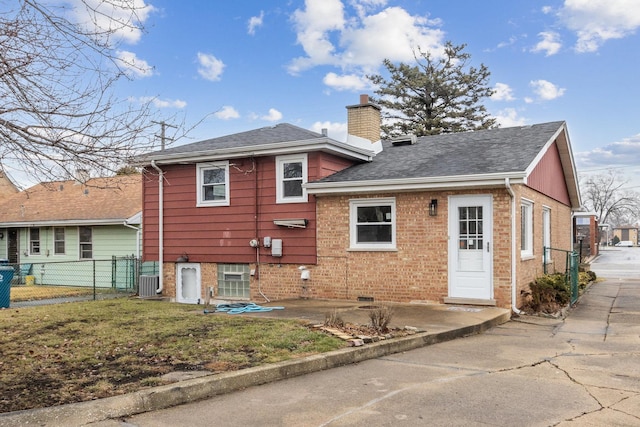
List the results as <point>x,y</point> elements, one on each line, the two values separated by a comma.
<point>162,136</point>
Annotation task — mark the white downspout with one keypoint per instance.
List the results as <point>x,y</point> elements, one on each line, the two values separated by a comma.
<point>514,287</point>
<point>160,226</point>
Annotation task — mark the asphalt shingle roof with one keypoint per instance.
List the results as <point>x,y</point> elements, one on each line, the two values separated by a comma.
<point>114,198</point>
<point>283,132</point>
<point>466,153</point>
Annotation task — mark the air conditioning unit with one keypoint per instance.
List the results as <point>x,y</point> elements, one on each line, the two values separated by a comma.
<point>148,286</point>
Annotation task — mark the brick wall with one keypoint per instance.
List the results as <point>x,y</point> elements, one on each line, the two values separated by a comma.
<point>530,268</point>
<point>418,270</point>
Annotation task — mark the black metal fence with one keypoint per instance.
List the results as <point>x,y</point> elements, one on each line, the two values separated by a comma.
<point>39,283</point>
<point>571,268</point>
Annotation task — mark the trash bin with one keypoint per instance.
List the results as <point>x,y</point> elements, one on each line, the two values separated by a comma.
<point>6,275</point>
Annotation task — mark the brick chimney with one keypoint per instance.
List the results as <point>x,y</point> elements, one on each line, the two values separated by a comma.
<point>363,119</point>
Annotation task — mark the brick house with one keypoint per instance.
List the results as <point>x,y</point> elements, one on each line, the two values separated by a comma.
<point>283,212</point>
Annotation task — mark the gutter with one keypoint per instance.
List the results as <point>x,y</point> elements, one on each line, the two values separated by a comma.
<point>514,286</point>
<point>160,226</point>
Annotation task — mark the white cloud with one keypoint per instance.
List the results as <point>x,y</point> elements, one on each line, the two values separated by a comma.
<point>160,103</point>
<point>596,21</point>
<point>625,152</point>
<point>546,90</point>
<point>110,20</point>
<point>273,116</point>
<point>337,131</point>
<point>345,81</point>
<point>393,34</point>
<point>550,43</point>
<point>132,65</point>
<point>227,113</point>
<point>509,117</point>
<point>313,26</point>
<point>359,43</point>
<point>502,92</point>
<point>210,67</point>
<point>255,22</point>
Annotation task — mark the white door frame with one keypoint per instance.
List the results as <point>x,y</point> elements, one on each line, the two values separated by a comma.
<point>471,269</point>
<point>188,293</point>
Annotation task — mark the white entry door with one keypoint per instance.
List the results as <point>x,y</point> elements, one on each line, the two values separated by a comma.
<point>470,247</point>
<point>188,289</point>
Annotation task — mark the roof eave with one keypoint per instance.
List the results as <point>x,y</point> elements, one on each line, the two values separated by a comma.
<point>63,222</point>
<point>288,147</point>
<point>416,184</point>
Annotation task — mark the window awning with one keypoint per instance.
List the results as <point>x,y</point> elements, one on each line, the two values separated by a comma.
<point>291,223</point>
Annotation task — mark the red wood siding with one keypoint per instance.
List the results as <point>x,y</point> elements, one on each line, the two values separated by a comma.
<point>547,176</point>
<point>222,233</point>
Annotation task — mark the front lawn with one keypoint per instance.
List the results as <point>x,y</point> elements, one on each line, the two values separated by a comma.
<point>63,353</point>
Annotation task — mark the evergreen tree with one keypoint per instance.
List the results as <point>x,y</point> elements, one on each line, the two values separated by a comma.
<point>436,95</point>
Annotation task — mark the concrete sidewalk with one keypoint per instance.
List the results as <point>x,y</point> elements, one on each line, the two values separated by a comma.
<point>438,322</point>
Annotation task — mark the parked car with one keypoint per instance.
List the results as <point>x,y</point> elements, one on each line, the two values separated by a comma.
<point>625,243</point>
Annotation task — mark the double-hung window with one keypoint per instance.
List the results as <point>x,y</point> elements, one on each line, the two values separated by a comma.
<point>34,241</point>
<point>526,228</point>
<point>86,242</point>
<point>213,184</point>
<point>58,241</point>
<point>372,224</point>
<point>291,173</point>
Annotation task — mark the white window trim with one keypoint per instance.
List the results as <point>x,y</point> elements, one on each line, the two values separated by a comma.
<point>527,239</point>
<point>80,242</point>
<point>353,221</point>
<point>31,241</point>
<point>280,161</point>
<point>200,168</point>
<point>64,241</point>
<point>546,232</point>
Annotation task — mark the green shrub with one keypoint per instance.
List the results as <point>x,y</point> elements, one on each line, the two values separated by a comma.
<point>549,293</point>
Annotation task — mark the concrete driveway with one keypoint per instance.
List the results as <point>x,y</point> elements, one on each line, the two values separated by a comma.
<point>583,371</point>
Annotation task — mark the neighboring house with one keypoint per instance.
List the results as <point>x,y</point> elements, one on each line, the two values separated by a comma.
<point>66,221</point>
<point>7,187</point>
<point>586,234</point>
<point>283,212</point>
<point>628,233</point>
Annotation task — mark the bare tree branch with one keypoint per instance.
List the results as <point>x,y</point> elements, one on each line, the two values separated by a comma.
<point>57,80</point>
<point>604,194</point>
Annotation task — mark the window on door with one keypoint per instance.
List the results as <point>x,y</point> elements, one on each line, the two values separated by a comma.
<point>470,226</point>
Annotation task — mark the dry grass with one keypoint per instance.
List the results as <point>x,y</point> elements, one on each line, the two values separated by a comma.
<point>32,293</point>
<point>67,353</point>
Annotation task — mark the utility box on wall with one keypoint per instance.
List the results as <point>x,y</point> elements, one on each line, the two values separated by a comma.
<point>276,247</point>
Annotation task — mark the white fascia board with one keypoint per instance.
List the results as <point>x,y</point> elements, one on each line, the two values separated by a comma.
<point>63,223</point>
<point>135,219</point>
<point>279,148</point>
<point>415,184</point>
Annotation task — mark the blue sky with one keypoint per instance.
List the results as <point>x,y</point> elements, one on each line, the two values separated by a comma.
<point>241,65</point>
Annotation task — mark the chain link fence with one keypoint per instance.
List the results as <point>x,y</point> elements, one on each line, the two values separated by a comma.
<point>53,282</point>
